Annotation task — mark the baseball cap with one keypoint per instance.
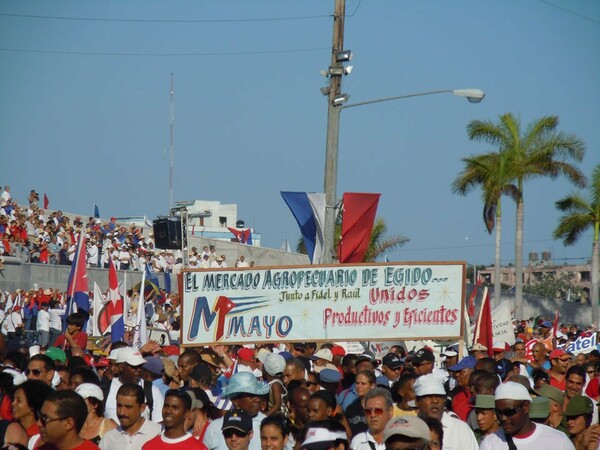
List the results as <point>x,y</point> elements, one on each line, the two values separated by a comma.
<point>338,350</point>
<point>324,353</point>
<point>547,324</point>
<point>274,364</point>
<point>557,354</point>
<point>56,354</point>
<point>245,354</point>
<point>318,438</point>
<point>330,376</point>
<point>422,356</point>
<point>451,350</point>
<point>468,362</point>
<point>112,356</point>
<point>409,426</point>
<point>579,404</point>
<point>237,419</point>
<point>483,401</point>
<point>540,408</point>
<point>551,392</point>
<point>131,356</point>
<point>154,364</point>
<point>512,391</point>
<point>102,362</point>
<point>429,384</point>
<point>365,356</point>
<point>477,347</point>
<point>87,390</point>
<point>392,360</point>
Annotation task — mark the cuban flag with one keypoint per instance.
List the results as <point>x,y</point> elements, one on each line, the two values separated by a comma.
<point>115,305</point>
<point>78,298</point>
<point>308,209</point>
<point>243,236</point>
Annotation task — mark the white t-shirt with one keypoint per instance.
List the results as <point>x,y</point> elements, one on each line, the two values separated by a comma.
<point>457,434</point>
<point>543,437</point>
<point>361,442</point>
<point>43,321</point>
<point>110,411</point>
<point>55,319</point>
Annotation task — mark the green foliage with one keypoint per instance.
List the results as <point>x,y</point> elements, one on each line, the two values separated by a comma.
<point>555,287</point>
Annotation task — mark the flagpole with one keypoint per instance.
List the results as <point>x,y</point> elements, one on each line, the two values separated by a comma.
<point>74,280</point>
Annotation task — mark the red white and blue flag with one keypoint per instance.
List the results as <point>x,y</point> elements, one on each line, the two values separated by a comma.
<point>308,209</point>
<point>78,297</point>
<point>115,305</point>
<point>244,236</point>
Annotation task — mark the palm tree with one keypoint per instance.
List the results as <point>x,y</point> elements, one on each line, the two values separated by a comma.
<point>541,151</point>
<point>580,215</point>
<point>379,244</point>
<point>493,173</point>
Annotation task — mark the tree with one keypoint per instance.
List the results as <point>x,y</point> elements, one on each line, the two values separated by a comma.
<point>555,286</point>
<point>491,172</point>
<point>379,244</point>
<point>580,215</point>
<point>541,151</point>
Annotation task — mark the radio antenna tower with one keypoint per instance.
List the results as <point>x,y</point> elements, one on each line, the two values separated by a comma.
<point>171,147</point>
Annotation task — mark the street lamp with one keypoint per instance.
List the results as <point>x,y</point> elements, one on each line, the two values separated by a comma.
<point>337,102</point>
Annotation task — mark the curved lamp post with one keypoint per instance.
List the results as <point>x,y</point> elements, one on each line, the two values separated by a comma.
<point>336,103</point>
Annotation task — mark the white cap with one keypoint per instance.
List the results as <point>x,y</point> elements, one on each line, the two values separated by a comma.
<point>87,390</point>
<point>429,385</point>
<point>409,426</point>
<point>113,354</point>
<point>131,356</point>
<point>324,353</point>
<point>512,391</point>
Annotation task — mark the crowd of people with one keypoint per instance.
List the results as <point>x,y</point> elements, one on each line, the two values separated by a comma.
<point>295,396</point>
<point>36,235</point>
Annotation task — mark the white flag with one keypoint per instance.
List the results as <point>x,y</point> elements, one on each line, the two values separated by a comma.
<point>98,303</point>
<point>140,337</point>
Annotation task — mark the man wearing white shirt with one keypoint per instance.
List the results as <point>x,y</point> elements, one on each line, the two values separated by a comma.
<point>56,311</point>
<point>42,325</point>
<point>379,410</point>
<point>134,430</point>
<point>131,362</point>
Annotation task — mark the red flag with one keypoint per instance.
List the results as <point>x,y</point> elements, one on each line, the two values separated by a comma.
<point>483,328</point>
<point>46,201</point>
<point>243,236</point>
<point>555,325</point>
<point>115,305</point>
<point>471,307</point>
<point>357,224</point>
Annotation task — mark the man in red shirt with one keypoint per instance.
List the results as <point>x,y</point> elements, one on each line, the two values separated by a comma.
<point>175,411</point>
<point>61,418</point>
<point>560,363</point>
<point>74,336</point>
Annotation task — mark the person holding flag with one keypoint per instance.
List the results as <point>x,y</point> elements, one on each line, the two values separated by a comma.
<point>74,336</point>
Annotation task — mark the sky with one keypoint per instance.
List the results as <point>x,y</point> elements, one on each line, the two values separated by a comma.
<point>84,89</point>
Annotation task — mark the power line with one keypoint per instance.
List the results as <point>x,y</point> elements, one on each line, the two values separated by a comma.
<point>581,16</point>
<point>252,52</point>
<point>99,19</point>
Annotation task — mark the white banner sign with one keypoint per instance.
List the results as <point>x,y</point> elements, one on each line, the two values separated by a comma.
<point>328,303</point>
<point>502,327</point>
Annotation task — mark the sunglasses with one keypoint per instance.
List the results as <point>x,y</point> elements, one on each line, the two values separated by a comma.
<point>36,372</point>
<point>228,434</point>
<point>374,411</point>
<point>45,420</point>
<point>508,412</point>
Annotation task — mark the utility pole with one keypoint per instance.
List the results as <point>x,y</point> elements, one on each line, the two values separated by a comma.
<point>171,148</point>
<point>333,133</point>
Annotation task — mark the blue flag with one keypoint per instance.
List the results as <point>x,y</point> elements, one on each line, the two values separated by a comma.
<point>96,212</point>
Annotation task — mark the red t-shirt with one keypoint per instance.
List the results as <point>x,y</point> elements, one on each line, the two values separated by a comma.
<point>560,384</point>
<point>85,445</point>
<point>593,388</point>
<point>80,338</point>
<point>186,442</point>
<point>460,404</point>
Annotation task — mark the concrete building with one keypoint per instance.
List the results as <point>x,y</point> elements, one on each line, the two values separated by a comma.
<point>580,274</point>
